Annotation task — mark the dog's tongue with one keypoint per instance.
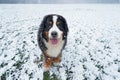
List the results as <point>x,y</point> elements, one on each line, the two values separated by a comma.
<point>54,41</point>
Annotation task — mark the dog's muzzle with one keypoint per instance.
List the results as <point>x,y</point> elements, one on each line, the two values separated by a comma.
<point>54,36</point>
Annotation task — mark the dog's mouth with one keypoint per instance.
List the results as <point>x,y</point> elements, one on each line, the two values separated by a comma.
<point>54,41</point>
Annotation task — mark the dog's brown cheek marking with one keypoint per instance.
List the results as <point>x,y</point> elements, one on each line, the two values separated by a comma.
<point>46,34</point>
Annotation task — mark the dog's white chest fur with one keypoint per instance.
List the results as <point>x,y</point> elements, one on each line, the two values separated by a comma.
<point>54,50</point>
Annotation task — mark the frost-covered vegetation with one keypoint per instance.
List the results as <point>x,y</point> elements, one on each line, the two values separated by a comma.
<point>92,51</point>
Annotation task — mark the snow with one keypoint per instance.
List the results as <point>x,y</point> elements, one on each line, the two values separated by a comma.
<point>92,51</point>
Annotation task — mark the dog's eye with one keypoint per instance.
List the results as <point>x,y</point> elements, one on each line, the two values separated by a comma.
<point>57,23</point>
<point>50,22</point>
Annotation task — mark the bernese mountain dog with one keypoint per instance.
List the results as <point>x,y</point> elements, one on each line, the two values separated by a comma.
<point>52,38</point>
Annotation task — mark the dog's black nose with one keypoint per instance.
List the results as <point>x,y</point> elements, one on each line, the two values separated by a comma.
<point>54,34</point>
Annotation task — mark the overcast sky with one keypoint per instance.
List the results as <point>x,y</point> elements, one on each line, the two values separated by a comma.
<point>59,1</point>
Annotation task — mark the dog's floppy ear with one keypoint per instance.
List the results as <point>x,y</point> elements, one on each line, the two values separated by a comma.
<point>65,23</point>
<point>40,34</point>
<point>42,25</point>
<point>65,27</point>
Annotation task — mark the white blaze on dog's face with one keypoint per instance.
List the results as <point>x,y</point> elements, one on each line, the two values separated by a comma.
<point>54,33</point>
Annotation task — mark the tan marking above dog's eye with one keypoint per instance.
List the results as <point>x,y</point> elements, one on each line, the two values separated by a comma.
<point>57,23</point>
<point>50,22</point>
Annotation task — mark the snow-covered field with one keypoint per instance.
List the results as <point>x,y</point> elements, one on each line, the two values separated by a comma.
<point>92,51</point>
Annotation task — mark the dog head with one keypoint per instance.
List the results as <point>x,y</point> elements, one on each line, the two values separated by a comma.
<point>54,28</point>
